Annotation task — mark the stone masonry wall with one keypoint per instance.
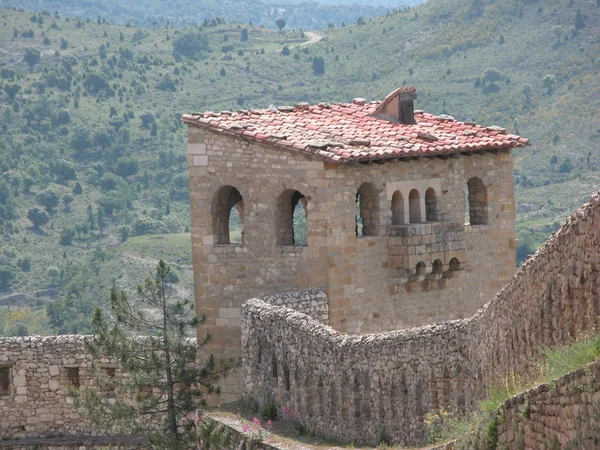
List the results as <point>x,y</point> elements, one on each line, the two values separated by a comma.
<point>38,401</point>
<point>40,370</point>
<point>351,386</point>
<point>312,302</point>
<point>560,415</point>
<point>363,276</point>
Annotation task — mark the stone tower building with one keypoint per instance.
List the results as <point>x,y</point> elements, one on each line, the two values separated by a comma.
<point>403,218</point>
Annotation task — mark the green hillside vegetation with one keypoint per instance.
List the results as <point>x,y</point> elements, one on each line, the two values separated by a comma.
<point>93,151</point>
<point>158,13</point>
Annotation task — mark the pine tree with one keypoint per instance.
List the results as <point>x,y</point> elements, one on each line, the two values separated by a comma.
<point>579,21</point>
<point>166,382</point>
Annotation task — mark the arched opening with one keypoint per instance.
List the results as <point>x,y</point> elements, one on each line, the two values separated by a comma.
<point>414,206</point>
<point>291,218</point>
<point>477,202</point>
<point>367,210</point>
<point>398,208</point>
<point>228,216</point>
<point>430,205</point>
<point>454,265</point>
<point>421,268</point>
<point>437,266</point>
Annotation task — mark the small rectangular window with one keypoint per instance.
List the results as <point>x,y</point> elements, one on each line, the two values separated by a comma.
<point>109,387</point>
<point>73,374</point>
<point>4,380</point>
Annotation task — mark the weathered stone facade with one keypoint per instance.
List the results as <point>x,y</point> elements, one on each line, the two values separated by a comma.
<point>36,373</point>
<point>418,263</point>
<point>40,370</point>
<point>352,386</point>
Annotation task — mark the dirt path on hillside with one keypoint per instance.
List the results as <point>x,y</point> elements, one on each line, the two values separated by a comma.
<point>313,38</point>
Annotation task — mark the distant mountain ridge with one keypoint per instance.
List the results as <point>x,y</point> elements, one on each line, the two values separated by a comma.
<point>314,14</point>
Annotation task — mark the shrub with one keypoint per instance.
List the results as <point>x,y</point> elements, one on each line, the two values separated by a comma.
<point>7,274</point>
<point>38,217</point>
<point>268,410</point>
<point>48,198</point>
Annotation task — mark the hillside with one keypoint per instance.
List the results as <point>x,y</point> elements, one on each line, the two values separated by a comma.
<point>100,106</point>
<point>152,13</point>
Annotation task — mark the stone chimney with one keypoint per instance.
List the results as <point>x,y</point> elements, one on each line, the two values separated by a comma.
<point>398,106</point>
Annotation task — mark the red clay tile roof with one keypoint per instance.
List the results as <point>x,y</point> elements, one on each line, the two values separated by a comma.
<point>345,132</point>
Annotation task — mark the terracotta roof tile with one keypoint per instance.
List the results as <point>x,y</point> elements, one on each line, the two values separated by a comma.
<point>344,132</point>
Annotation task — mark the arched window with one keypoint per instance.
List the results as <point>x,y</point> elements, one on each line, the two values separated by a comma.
<point>437,266</point>
<point>291,218</point>
<point>454,265</point>
<point>430,205</point>
<point>397,208</point>
<point>228,216</point>
<point>414,206</point>
<point>477,202</point>
<point>367,210</point>
<point>421,268</point>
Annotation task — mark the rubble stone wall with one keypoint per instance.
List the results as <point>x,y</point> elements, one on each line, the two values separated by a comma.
<point>312,302</point>
<point>561,414</point>
<point>351,387</point>
<point>37,403</point>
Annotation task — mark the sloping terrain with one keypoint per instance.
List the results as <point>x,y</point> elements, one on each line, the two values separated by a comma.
<point>99,106</point>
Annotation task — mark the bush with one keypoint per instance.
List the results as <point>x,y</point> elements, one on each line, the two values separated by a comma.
<point>66,236</point>
<point>48,198</point>
<point>24,264</point>
<point>268,411</point>
<point>126,166</point>
<point>191,45</point>
<point>53,273</point>
<point>147,225</point>
<point>7,274</point>
<point>38,217</point>
<point>318,65</point>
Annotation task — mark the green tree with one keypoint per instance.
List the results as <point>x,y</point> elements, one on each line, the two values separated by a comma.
<point>191,45</point>
<point>32,57</point>
<point>126,166</point>
<point>66,236</point>
<point>7,274</point>
<point>579,20</point>
<point>318,65</point>
<point>492,75</point>
<point>548,83</point>
<point>77,189</point>
<point>67,200</point>
<point>38,217</point>
<point>244,35</point>
<point>280,24</point>
<point>48,198</point>
<point>11,90</point>
<point>166,382</point>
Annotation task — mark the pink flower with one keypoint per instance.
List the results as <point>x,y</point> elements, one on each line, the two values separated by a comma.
<point>256,421</point>
<point>245,428</point>
<point>270,422</point>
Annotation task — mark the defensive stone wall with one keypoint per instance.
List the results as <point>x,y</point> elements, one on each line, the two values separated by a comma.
<point>352,387</point>
<point>312,302</point>
<point>562,414</point>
